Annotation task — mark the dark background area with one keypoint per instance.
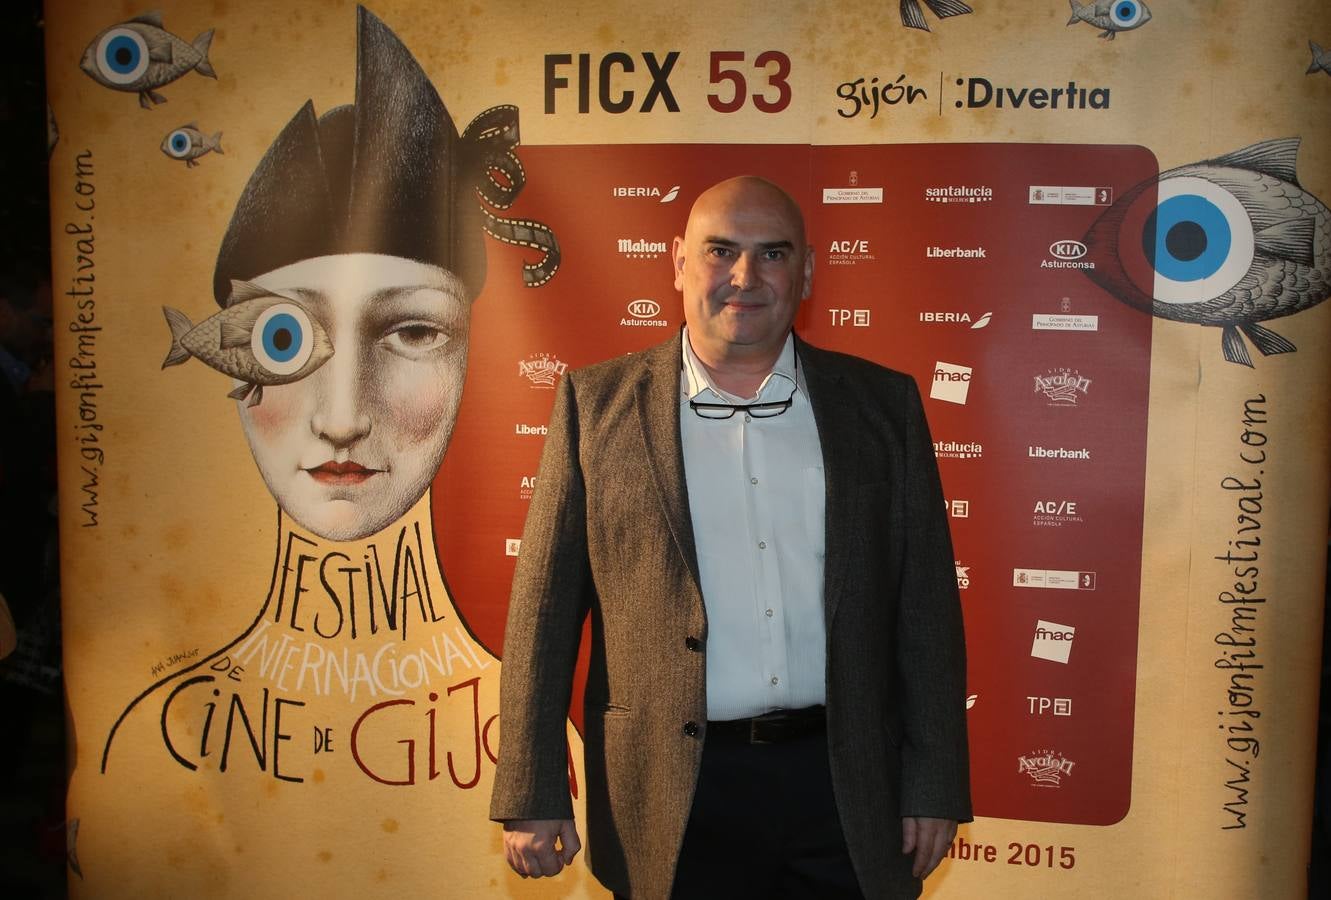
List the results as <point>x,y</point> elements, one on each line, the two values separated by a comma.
<point>32,749</point>
<point>32,736</point>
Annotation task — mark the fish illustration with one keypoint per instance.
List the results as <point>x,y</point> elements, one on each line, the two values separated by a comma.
<point>1321,59</point>
<point>913,17</point>
<point>139,55</point>
<point>1228,242</point>
<point>1111,15</point>
<point>260,338</point>
<point>188,143</point>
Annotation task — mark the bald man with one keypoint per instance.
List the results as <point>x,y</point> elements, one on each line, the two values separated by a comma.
<point>776,700</point>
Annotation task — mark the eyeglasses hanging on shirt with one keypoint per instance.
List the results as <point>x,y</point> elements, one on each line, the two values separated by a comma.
<point>766,410</point>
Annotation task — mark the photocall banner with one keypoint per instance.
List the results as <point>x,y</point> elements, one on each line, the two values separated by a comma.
<point>320,267</point>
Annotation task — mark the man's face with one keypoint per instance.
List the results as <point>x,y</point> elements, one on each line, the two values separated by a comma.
<point>743,267</point>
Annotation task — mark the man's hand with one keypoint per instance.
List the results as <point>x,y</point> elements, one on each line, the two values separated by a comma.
<point>529,845</point>
<point>928,839</point>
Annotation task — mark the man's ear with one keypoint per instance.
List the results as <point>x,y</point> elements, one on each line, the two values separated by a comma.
<point>677,261</point>
<point>808,272</point>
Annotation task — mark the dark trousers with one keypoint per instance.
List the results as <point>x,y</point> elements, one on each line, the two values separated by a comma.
<point>764,824</point>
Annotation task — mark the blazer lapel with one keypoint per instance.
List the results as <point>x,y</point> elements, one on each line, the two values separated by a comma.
<point>658,400</point>
<point>838,421</point>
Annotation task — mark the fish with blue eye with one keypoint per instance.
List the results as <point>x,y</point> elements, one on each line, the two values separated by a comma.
<point>1229,242</point>
<point>139,55</point>
<point>260,339</point>
<point>1321,59</point>
<point>913,17</point>
<point>188,143</point>
<point>1111,15</point>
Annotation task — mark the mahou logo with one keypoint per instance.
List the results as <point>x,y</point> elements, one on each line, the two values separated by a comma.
<point>641,248</point>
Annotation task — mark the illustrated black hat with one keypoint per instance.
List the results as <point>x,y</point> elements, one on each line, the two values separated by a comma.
<point>389,174</point>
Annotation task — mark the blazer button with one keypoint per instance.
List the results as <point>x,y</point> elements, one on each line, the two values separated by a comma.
<point>692,643</point>
<point>691,729</point>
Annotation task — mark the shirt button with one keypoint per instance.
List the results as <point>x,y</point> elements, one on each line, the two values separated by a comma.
<point>748,418</point>
<point>770,614</point>
<point>762,545</point>
<point>692,643</point>
<point>753,481</point>
<point>775,679</point>
<point>690,728</point>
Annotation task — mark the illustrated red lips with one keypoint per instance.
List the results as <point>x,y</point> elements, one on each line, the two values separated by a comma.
<point>334,473</point>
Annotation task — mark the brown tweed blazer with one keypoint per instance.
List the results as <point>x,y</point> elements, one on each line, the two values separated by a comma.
<point>609,534</point>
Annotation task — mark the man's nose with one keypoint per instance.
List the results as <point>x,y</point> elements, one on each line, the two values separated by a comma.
<point>744,273</point>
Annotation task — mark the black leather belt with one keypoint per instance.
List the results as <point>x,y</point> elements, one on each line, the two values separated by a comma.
<point>770,728</point>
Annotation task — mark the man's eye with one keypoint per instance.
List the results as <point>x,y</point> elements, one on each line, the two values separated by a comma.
<point>416,338</point>
<point>721,252</point>
<point>775,255</point>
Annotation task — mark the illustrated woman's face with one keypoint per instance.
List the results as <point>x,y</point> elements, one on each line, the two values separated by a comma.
<point>348,449</point>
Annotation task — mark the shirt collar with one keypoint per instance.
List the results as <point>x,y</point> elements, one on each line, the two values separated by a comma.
<point>694,378</point>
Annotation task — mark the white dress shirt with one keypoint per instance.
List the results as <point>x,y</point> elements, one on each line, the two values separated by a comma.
<point>756,497</point>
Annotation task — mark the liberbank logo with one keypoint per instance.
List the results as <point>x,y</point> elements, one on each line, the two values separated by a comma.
<point>936,252</point>
<point>952,382</point>
<point>1035,451</point>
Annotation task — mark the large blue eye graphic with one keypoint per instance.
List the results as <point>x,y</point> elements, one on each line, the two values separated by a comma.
<point>178,143</point>
<point>282,339</point>
<point>1198,240</point>
<point>122,56</point>
<point>1126,13</point>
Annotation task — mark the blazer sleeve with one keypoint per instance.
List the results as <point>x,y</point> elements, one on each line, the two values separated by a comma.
<point>931,645</point>
<point>549,601</point>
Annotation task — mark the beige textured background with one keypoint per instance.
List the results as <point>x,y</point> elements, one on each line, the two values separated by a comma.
<point>183,553</point>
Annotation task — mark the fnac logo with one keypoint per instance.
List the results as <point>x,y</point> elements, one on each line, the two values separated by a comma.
<point>1067,249</point>
<point>644,309</point>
